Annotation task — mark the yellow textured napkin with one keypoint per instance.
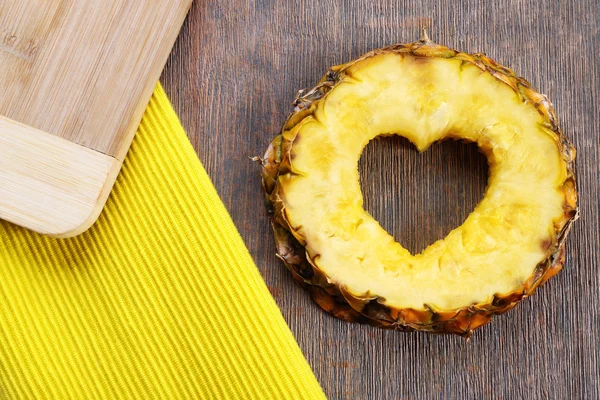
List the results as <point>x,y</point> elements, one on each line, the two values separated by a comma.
<point>158,300</point>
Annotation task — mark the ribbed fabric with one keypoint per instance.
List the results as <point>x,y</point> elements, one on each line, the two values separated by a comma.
<point>160,299</point>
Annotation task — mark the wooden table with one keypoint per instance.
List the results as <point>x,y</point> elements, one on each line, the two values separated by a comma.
<point>233,75</point>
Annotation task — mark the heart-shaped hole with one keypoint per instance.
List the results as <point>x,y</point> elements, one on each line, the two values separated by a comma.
<point>420,197</point>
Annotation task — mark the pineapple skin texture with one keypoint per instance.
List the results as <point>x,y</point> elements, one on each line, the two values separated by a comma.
<point>371,309</point>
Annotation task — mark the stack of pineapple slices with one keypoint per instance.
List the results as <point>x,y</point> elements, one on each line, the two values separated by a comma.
<point>511,243</point>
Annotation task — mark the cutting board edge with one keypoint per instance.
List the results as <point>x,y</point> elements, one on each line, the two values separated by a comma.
<point>120,150</point>
<point>51,185</point>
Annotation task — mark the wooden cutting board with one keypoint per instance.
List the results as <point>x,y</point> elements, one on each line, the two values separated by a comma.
<point>75,78</point>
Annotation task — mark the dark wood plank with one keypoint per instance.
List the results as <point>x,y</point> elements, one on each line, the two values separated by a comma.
<point>232,77</point>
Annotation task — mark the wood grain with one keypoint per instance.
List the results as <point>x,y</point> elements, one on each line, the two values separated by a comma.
<point>232,77</point>
<point>49,184</point>
<point>84,70</point>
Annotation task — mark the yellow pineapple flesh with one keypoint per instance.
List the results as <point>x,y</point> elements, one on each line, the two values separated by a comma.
<point>511,242</point>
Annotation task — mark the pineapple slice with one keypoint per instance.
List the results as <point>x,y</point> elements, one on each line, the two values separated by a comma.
<point>353,268</point>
